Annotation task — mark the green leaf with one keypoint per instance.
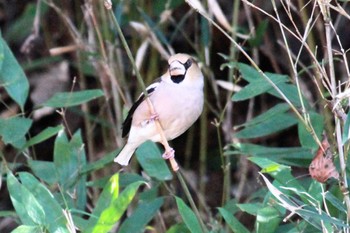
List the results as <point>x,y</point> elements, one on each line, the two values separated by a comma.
<point>43,135</point>
<point>259,34</point>
<point>69,99</point>
<point>55,220</point>
<point>26,205</point>
<point>305,138</point>
<point>272,125</point>
<point>257,87</point>
<point>141,216</point>
<point>14,129</point>
<point>188,216</point>
<point>154,27</point>
<point>292,156</point>
<point>275,110</point>
<point>335,202</point>
<point>232,222</point>
<point>150,159</point>
<point>267,220</point>
<point>21,25</point>
<point>27,229</point>
<point>250,208</point>
<point>346,131</point>
<point>291,93</point>
<point>101,163</point>
<point>69,159</point>
<point>115,209</point>
<point>44,170</point>
<point>279,172</point>
<point>12,77</point>
<point>109,195</point>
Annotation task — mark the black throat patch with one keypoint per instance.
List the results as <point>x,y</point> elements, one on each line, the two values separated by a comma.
<point>178,78</point>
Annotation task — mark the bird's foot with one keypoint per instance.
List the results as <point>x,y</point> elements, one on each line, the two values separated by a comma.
<point>169,154</point>
<point>154,117</point>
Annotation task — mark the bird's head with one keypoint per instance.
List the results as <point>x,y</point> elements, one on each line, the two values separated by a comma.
<point>184,69</point>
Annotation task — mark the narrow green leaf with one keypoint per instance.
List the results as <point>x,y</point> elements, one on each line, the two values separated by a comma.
<point>21,25</point>
<point>69,159</point>
<point>43,135</point>
<point>232,222</point>
<point>44,170</point>
<point>335,202</point>
<point>109,194</point>
<point>250,208</point>
<point>267,220</point>
<point>257,87</point>
<point>279,172</point>
<point>12,77</point>
<point>27,229</point>
<point>275,110</point>
<point>305,138</point>
<point>188,216</point>
<point>101,163</point>
<point>272,125</point>
<point>292,156</point>
<point>150,159</point>
<point>291,93</point>
<point>346,131</point>
<point>27,207</point>
<point>154,27</point>
<point>116,209</point>
<point>69,99</point>
<point>14,129</point>
<point>141,216</point>
<point>55,221</point>
<point>259,33</point>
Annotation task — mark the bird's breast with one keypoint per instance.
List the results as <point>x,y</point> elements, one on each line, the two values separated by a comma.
<point>177,108</point>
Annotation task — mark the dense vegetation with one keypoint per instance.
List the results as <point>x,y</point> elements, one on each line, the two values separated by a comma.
<point>276,90</point>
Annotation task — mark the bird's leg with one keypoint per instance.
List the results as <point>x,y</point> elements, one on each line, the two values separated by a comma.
<point>169,153</point>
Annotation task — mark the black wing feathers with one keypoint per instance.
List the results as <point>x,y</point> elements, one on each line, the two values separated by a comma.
<point>128,120</point>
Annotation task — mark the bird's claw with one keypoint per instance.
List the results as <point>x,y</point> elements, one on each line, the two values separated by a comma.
<point>154,117</point>
<point>169,154</point>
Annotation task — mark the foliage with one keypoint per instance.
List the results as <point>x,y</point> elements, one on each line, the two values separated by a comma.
<point>78,190</point>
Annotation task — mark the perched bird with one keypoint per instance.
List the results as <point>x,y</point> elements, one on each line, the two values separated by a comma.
<point>177,98</point>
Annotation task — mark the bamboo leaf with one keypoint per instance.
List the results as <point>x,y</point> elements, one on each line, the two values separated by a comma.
<point>232,222</point>
<point>188,216</point>
<point>141,216</point>
<point>272,125</point>
<point>12,77</point>
<point>150,159</point>
<point>43,135</point>
<point>69,99</point>
<point>13,130</point>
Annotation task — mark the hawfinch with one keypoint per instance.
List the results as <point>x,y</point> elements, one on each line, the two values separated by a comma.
<point>177,98</point>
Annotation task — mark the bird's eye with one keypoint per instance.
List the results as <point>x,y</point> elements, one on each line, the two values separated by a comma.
<point>188,63</point>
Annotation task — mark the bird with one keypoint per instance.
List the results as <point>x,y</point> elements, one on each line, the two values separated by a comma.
<point>177,98</point>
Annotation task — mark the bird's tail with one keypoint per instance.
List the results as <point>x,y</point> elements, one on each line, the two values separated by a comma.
<point>124,156</point>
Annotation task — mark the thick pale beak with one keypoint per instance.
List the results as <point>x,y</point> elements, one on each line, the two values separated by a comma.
<point>176,68</point>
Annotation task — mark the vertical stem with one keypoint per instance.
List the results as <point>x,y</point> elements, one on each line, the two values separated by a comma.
<point>327,19</point>
<point>191,201</point>
<point>229,110</point>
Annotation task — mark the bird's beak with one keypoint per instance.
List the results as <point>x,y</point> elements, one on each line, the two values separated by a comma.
<point>176,68</point>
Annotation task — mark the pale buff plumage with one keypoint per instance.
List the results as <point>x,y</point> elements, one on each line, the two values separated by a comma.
<point>177,102</point>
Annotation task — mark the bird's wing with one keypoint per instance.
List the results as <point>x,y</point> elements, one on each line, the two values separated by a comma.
<point>128,120</point>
